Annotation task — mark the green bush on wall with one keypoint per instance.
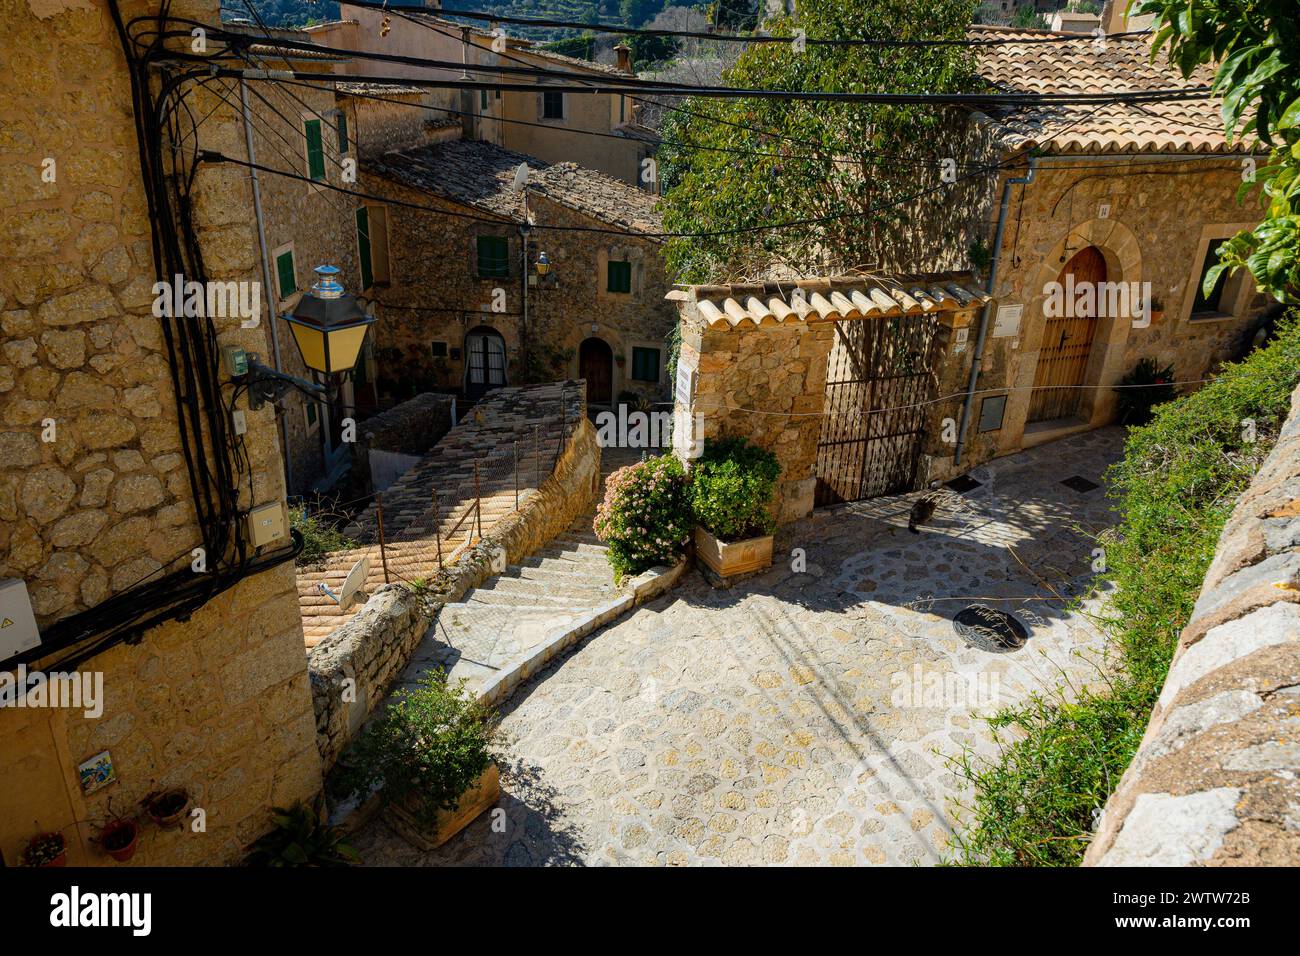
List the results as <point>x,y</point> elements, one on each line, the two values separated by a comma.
<point>732,487</point>
<point>645,518</point>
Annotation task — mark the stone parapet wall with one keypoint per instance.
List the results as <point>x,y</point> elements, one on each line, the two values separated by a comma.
<point>411,428</point>
<point>1214,781</point>
<point>372,648</point>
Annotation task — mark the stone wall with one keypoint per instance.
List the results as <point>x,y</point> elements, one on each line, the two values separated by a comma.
<point>373,647</point>
<point>1214,780</point>
<point>411,428</point>
<point>436,295</point>
<point>222,710</point>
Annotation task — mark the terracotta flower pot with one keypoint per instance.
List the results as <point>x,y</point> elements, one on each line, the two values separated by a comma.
<point>119,839</point>
<point>167,808</point>
<point>37,844</point>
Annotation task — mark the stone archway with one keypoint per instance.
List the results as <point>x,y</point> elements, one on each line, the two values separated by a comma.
<point>1119,248</point>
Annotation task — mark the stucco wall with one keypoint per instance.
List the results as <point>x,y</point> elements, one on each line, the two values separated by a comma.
<point>1214,780</point>
<point>224,711</point>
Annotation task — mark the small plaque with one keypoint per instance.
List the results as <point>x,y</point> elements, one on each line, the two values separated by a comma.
<point>992,410</point>
<point>1007,322</point>
<point>685,388</point>
<point>97,772</point>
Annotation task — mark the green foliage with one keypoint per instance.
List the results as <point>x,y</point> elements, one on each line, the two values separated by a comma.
<point>645,518</point>
<point>1253,43</point>
<point>425,750</point>
<point>1026,18</point>
<point>1176,485</point>
<point>44,848</point>
<point>544,362</point>
<point>833,162</point>
<point>320,536</point>
<point>301,839</point>
<point>731,491</point>
<point>647,51</point>
<point>637,12</point>
<point>1141,390</point>
<point>580,46</point>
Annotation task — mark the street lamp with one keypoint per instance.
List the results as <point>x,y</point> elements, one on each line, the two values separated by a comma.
<point>329,325</point>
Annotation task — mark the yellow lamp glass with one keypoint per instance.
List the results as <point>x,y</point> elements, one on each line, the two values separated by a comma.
<point>329,350</point>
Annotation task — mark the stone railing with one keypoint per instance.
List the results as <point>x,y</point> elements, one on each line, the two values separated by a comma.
<point>1216,779</point>
<point>352,669</point>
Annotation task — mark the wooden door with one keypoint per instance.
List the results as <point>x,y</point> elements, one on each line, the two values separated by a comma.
<point>1067,342</point>
<point>596,365</point>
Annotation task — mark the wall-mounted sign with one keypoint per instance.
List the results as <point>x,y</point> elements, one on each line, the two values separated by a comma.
<point>1103,210</point>
<point>959,337</point>
<point>685,387</point>
<point>1007,322</point>
<point>97,772</point>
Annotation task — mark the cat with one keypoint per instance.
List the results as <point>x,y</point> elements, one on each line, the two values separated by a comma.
<point>924,507</point>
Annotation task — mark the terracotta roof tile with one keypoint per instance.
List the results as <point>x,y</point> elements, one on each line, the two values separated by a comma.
<point>1080,66</point>
<point>481,175</point>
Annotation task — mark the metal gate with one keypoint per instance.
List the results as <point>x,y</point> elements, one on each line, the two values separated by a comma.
<point>880,375</point>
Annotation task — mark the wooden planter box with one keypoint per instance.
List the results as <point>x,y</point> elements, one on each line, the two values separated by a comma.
<point>727,559</point>
<point>478,798</point>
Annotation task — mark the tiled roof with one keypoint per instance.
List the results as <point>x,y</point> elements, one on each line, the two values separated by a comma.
<point>762,304</point>
<point>1079,66</point>
<point>379,89</point>
<point>481,175</point>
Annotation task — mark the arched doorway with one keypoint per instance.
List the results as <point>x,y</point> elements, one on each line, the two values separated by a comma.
<point>596,365</point>
<point>485,361</point>
<point>1067,341</point>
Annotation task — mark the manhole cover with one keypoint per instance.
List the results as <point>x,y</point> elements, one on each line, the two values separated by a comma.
<point>1080,484</point>
<point>964,483</point>
<point>990,629</point>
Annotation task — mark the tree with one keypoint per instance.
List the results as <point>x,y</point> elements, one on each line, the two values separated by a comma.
<point>1026,18</point>
<point>850,165</point>
<point>1253,44</point>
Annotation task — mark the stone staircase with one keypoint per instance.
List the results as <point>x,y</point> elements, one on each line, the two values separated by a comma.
<point>506,617</point>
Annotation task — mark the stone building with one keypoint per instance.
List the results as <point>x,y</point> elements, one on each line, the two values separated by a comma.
<point>462,304</point>
<point>97,500</point>
<point>554,126</point>
<point>1109,217</point>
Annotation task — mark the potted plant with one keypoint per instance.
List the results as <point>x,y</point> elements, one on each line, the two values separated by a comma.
<point>430,755</point>
<point>731,492</point>
<point>301,839</point>
<point>620,359</point>
<point>645,517</point>
<point>167,807</point>
<point>46,849</point>
<point>118,838</point>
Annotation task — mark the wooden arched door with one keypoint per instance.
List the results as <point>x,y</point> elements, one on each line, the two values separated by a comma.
<point>1067,341</point>
<point>596,365</point>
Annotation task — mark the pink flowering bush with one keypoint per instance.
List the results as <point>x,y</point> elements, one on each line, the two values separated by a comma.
<point>645,518</point>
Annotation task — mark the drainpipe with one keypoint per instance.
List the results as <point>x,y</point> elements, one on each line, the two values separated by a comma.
<point>977,359</point>
<point>266,276</point>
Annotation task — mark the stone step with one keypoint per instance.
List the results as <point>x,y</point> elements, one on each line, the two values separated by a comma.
<point>554,585</point>
<point>560,571</point>
<point>567,543</point>
<point>536,598</point>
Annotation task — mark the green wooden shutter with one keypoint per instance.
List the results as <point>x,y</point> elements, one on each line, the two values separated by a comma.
<point>315,150</point>
<point>363,246</point>
<point>645,364</point>
<point>285,273</point>
<point>493,256</point>
<point>619,277</point>
<point>343,131</point>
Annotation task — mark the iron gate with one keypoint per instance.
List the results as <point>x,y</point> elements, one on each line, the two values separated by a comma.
<point>880,375</point>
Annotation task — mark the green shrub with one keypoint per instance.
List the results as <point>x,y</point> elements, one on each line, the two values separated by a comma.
<point>301,839</point>
<point>1035,804</point>
<point>1143,389</point>
<point>732,486</point>
<point>645,518</point>
<point>425,750</point>
<point>320,538</point>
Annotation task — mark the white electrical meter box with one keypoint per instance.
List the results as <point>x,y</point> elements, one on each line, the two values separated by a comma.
<point>266,524</point>
<point>18,631</point>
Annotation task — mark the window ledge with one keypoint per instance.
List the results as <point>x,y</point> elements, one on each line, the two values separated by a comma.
<point>1199,317</point>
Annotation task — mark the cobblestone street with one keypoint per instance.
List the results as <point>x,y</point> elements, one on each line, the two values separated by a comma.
<point>801,717</point>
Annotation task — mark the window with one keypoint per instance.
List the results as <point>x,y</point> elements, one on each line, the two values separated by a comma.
<point>439,349</point>
<point>286,275</point>
<point>315,150</point>
<point>493,256</point>
<point>363,247</point>
<point>342,117</point>
<point>552,105</point>
<point>1213,301</point>
<point>311,415</point>
<point>645,364</point>
<point>482,99</point>
<point>620,277</point>
<point>372,245</point>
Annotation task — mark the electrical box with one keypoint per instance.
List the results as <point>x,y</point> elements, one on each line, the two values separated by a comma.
<point>266,524</point>
<point>18,630</point>
<point>236,360</point>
